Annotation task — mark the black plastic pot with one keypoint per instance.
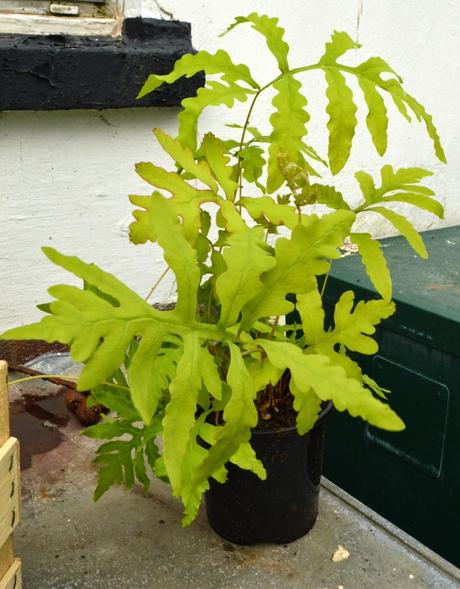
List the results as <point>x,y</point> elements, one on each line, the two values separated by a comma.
<point>281,509</point>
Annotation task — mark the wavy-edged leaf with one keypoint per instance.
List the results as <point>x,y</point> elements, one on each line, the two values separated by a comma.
<point>273,33</point>
<point>352,326</point>
<point>179,255</point>
<point>307,167</point>
<point>308,407</point>
<point>366,183</point>
<point>298,259</point>
<point>373,75</point>
<point>247,258</point>
<point>116,465</point>
<point>142,375</point>
<point>402,179</point>
<point>377,118</point>
<point>229,218</point>
<point>288,122</point>
<point>265,206</point>
<point>405,228</point>
<point>98,332</point>
<point>140,230</point>
<point>192,496</point>
<point>374,262</point>
<point>310,308</point>
<point>407,182</point>
<point>327,195</point>
<point>314,371</point>
<point>214,94</point>
<point>369,74</point>
<point>421,114</point>
<point>190,64</point>
<point>372,70</point>
<point>263,372</point>
<point>213,150</point>
<point>246,458</point>
<point>185,158</point>
<point>109,429</point>
<point>240,415</point>
<point>342,119</point>
<point>309,151</point>
<point>420,201</point>
<point>179,417</point>
<point>252,162</point>
<point>169,181</point>
<point>375,387</point>
<point>339,44</point>
<point>110,473</point>
<point>340,358</point>
<point>186,201</point>
<point>117,401</point>
<point>210,374</point>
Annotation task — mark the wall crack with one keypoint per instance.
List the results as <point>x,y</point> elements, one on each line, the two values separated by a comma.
<point>358,19</point>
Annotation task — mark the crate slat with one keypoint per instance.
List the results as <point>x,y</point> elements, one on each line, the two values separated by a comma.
<point>13,576</point>
<point>6,556</point>
<point>9,457</point>
<point>10,497</point>
<point>10,568</point>
<point>4,404</point>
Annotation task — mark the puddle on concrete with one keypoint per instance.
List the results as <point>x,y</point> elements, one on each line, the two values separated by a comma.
<point>35,421</point>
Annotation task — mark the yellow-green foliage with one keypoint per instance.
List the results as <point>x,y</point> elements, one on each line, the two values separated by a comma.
<point>164,372</point>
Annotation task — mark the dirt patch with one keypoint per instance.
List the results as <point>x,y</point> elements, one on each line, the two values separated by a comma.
<point>35,421</point>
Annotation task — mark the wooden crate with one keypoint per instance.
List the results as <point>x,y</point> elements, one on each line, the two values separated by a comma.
<point>12,578</point>
<point>10,492</point>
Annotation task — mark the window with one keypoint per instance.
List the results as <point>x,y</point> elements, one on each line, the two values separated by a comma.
<point>72,17</point>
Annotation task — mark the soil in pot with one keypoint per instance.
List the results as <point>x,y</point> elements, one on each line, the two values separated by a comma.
<point>246,510</point>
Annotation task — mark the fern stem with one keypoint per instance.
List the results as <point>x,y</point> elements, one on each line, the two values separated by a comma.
<point>243,134</point>
<point>249,352</point>
<point>209,305</point>
<point>63,377</point>
<point>323,288</point>
<point>42,377</point>
<point>319,66</point>
<point>274,326</point>
<point>299,215</point>
<point>155,286</point>
<point>362,208</point>
<point>252,105</point>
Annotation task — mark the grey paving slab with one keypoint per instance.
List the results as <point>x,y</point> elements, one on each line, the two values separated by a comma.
<point>129,540</point>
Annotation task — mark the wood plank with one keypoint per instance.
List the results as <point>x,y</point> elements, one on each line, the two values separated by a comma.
<point>4,412</point>
<point>6,551</point>
<point>13,577</point>
<point>9,519</point>
<point>6,556</point>
<point>9,458</point>
<point>10,569</point>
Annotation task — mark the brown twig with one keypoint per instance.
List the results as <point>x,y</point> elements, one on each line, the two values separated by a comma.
<point>59,381</point>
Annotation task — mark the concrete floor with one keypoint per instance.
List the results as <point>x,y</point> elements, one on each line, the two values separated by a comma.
<point>128,540</point>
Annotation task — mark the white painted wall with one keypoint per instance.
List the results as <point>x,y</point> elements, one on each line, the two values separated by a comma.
<point>65,176</point>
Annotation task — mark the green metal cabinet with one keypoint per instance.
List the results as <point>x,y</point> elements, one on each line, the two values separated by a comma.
<point>411,478</point>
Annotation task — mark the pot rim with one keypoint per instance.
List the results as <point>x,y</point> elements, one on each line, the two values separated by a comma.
<point>293,428</point>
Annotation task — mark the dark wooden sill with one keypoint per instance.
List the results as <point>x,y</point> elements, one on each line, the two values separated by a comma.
<point>56,72</point>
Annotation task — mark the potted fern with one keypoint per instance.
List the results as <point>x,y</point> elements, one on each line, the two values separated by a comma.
<point>220,387</point>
